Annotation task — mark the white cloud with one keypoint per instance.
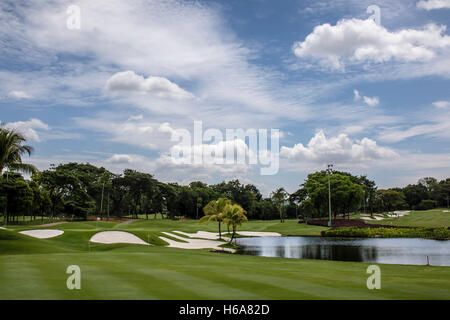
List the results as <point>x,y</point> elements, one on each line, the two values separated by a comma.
<point>424,123</point>
<point>441,104</point>
<point>28,128</point>
<point>339,150</point>
<point>371,101</point>
<point>157,86</point>
<point>437,129</point>
<point>199,51</point>
<point>136,118</point>
<point>138,132</point>
<point>121,159</point>
<point>212,153</point>
<point>166,169</point>
<point>19,95</point>
<point>356,40</point>
<point>433,4</point>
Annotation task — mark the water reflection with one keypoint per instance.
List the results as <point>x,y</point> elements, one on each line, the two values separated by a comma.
<point>393,251</point>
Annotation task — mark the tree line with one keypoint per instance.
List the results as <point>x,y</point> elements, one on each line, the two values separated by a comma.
<point>78,190</point>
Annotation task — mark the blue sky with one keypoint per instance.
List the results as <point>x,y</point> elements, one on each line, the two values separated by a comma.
<point>371,98</point>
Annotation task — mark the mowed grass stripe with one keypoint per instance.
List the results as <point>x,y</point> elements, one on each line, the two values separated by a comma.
<point>204,280</point>
<point>30,277</point>
<point>154,282</point>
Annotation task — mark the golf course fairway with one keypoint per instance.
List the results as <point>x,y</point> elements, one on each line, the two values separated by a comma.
<point>36,269</point>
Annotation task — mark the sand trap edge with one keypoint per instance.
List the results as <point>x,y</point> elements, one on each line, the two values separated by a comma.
<point>42,233</point>
<point>116,237</point>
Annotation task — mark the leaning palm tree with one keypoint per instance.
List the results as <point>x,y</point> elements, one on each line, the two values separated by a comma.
<point>214,211</point>
<point>234,216</point>
<point>11,151</point>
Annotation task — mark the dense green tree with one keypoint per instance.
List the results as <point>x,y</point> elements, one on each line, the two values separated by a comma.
<point>390,199</point>
<point>246,195</point>
<point>69,187</point>
<point>346,193</point>
<point>307,209</point>
<point>17,196</point>
<point>414,194</point>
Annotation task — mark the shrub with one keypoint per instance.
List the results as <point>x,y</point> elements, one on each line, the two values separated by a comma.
<point>437,233</point>
<point>426,205</point>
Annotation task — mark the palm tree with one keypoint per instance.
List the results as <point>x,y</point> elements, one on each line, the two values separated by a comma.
<point>235,216</point>
<point>11,151</point>
<point>279,197</point>
<point>214,211</point>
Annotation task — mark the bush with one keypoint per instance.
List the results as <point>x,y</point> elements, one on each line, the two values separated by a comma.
<point>437,233</point>
<point>426,205</point>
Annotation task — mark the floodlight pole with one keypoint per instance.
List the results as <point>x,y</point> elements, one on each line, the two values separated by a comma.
<point>5,215</point>
<point>101,202</point>
<point>196,212</point>
<point>329,194</point>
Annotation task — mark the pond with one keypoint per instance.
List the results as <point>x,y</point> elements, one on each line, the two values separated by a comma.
<point>390,251</point>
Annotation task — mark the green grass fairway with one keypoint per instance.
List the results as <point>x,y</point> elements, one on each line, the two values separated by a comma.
<point>36,269</point>
<point>429,219</point>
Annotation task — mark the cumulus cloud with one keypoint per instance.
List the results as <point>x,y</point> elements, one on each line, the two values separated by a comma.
<point>223,152</point>
<point>433,4</point>
<point>157,86</point>
<point>370,101</point>
<point>340,149</point>
<point>358,40</point>
<point>441,104</point>
<point>121,159</point>
<point>28,128</point>
<point>19,95</point>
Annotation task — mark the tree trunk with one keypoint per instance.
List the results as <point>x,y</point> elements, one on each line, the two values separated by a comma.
<point>234,233</point>
<point>220,233</point>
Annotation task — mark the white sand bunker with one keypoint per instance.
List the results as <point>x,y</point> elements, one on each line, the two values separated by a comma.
<point>200,234</point>
<point>42,233</point>
<point>401,213</point>
<point>110,237</point>
<point>3,228</point>
<point>193,243</point>
<point>374,218</point>
<point>258,234</point>
<point>215,236</point>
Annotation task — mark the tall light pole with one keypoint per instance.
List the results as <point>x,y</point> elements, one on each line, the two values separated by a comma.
<point>329,194</point>
<point>101,202</point>
<point>5,215</point>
